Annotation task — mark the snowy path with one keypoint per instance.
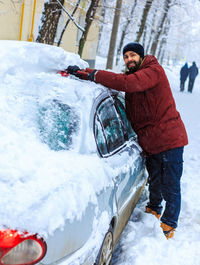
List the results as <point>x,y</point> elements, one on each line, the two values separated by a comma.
<point>142,241</point>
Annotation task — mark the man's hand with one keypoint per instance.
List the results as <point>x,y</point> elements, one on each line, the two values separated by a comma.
<point>72,69</point>
<point>85,74</point>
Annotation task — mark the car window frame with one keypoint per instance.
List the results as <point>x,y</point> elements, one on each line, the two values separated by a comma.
<point>125,131</point>
<point>126,134</point>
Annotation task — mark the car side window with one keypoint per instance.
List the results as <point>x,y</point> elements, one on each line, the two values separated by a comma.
<point>111,126</point>
<point>108,127</point>
<point>128,130</point>
<point>100,137</point>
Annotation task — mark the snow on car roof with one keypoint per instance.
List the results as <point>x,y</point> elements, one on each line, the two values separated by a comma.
<point>39,186</point>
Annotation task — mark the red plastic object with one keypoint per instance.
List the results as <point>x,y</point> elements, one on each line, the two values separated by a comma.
<point>63,73</point>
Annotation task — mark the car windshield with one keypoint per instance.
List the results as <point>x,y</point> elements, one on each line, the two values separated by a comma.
<point>58,124</point>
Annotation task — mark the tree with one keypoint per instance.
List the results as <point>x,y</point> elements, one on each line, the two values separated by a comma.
<point>49,22</point>
<point>163,42</point>
<point>90,15</point>
<point>125,31</point>
<point>67,22</point>
<point>143,20</point>
<point>114,32</point>
<point>152,30</point>
<point>160,27</point>
<point>102,21</point>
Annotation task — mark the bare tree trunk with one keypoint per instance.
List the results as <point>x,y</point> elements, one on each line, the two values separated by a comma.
<point>144,18</point>
<point>164,40</point>
<point>124,32</point>
<point>113,38</point>
<point>90,15</point>
<point>162,57</point>
<point>103,14</point>
<point>160,27</point>
<point>144,38</point>
<point>67,22</point>
<point>152,30</point>
<point>49,21</point>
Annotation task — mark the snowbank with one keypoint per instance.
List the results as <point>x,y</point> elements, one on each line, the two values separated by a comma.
<point>39,186</point>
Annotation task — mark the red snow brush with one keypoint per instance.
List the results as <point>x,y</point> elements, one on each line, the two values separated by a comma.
<point>63,73</point>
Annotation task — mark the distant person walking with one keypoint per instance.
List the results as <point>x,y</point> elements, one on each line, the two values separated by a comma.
<point>193,72</point>
<point>183,76</point>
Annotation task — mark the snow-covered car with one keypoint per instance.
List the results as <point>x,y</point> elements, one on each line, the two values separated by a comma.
<point>71,169</point>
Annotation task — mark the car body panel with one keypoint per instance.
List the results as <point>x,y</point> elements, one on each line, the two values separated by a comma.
<point>118,201</point>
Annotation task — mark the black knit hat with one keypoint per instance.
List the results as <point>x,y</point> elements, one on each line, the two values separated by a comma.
<point>135,47</point>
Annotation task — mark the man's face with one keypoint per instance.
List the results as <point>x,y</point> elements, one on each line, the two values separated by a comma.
<point>132,60</point>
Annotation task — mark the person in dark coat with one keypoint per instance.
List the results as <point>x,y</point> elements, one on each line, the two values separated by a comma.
<point>193,72</point>
<point>161,133</point>
<point>183,76</point>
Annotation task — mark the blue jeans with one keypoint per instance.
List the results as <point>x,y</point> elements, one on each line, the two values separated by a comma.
<point>165,170</point>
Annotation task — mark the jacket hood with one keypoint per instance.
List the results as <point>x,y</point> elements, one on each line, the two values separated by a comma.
<point>149,60</point>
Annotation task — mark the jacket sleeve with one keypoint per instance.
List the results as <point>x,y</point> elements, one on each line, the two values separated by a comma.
<point>141,80</point>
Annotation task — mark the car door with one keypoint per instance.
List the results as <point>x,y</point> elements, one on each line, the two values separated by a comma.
<point>129,179</point>
<point>117,144</point>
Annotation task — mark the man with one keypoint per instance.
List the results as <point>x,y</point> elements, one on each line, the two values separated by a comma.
<point>183,76</point>
<point>193,72</point>
<point>161,133</point>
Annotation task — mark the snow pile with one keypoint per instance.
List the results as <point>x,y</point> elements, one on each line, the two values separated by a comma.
<point>39,186</point>
<point>32,57</point>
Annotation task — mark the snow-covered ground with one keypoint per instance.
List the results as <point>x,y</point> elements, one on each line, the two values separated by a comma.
<point>142,241</point>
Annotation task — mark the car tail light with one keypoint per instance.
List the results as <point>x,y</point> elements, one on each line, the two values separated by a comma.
<point>20,248</point>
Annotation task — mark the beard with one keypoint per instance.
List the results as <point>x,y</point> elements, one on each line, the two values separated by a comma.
<point>133,69</point>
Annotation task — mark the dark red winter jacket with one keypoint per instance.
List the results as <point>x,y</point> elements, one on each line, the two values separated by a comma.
<point>150,105</point>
